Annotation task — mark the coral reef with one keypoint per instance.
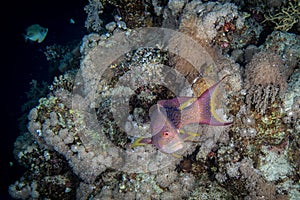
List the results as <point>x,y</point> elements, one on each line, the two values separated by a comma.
<point>291,98</point>
<point>287,45</point>
<point>211,17</point>
<point>274,162</point>
<point>48,175</point>
<point>264,80</point>
<point>93,10</point>
<point>204,33</point>
<point>36,91</point>
<point>63,58</point>
<point>134,12</point>
<point>286,17</point>
<point>79,137</point>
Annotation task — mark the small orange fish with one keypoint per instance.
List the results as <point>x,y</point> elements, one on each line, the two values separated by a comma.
<point>168,117</point>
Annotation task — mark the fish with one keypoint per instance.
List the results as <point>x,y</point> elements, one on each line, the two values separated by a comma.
<point>168,118</point>
<point>72,21</point>
<point>36,33</point>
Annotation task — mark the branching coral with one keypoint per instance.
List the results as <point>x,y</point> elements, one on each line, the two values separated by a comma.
<point>93,21</point>
<point>287,17</point>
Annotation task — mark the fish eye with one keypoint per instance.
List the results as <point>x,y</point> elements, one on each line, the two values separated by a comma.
<point>166,134</point>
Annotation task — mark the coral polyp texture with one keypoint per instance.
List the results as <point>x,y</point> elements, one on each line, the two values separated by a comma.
<point>265,80</point>
<point>286,17</point>
<point>79,138</point>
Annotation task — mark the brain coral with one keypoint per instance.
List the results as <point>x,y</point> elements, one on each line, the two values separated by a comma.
<point>264,80</point>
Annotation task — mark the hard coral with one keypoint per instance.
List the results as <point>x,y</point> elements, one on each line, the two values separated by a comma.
<point>206,60</point>
<point>287,45</point>
<point>264,80</point>
<point>93,21</point>
<point>134,12</point>
<point>211,17</point>
<point>286,17</point>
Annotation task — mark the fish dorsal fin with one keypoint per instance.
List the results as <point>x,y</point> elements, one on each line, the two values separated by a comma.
<point>169,103</point>
<point>186,102</point>
<point>174,108</point>
<point>179,103</point>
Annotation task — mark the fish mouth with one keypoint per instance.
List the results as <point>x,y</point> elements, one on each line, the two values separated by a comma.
<point>173,146</point>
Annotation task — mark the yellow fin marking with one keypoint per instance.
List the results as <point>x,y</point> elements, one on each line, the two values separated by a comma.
<point>176,155</point>
<point>187,103</point>
<point>191,135</point>
<point>213,100</point>
<point>137,143</point>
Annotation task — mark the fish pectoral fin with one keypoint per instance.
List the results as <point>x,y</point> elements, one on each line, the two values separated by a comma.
<point>177,155</point>
<point>191,138</point>
<point>141,142</point>
<point>189,135</point>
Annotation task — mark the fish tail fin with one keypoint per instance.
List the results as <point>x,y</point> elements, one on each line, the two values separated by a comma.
<point>25,37</point>
<point>207,102</point>
<point>141,142</point>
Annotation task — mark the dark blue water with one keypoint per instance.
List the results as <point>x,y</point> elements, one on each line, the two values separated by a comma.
<point>21,62</point>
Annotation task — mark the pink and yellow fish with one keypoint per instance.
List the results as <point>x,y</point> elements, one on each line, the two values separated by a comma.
<point>168,117</point>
